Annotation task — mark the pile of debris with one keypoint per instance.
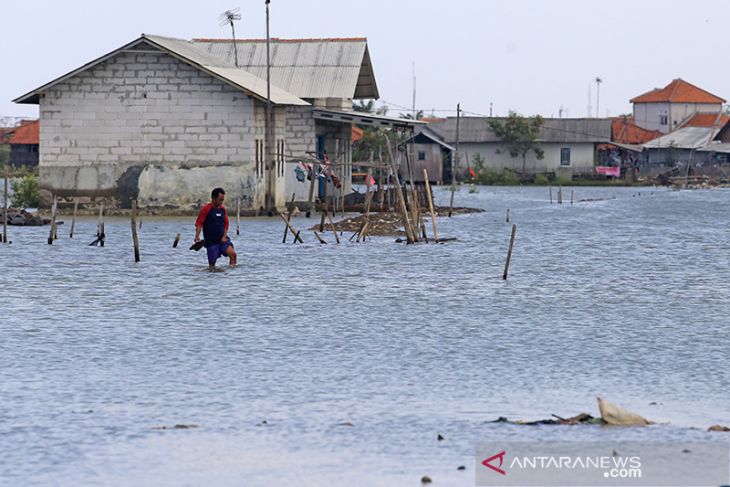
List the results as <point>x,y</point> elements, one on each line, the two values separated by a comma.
<point>23,218</point>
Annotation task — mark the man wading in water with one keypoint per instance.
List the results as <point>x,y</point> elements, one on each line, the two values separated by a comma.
<point>213,220</point>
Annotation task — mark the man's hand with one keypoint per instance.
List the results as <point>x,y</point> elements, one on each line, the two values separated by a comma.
<point>196,239</point>
<point>224,239</point>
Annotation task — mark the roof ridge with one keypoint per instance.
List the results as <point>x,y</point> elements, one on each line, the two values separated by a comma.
<point>279,39</point>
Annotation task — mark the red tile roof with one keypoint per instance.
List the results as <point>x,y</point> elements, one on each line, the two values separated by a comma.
<point>678,91</point>
<point>6,133</point>
<point>707,120</point>
<point>357,133</point>
<point>27,133</point>
<point>625,131</point>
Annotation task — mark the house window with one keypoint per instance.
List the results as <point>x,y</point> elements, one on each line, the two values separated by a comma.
<point>565,156</point>
<point>663,120</point>
<point>421,155</point>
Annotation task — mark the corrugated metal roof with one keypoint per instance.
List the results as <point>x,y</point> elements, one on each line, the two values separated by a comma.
<point>187,52</point>
<point>684,138</point>
<point>476,130</point>
<point>308,68</point>
<point>722,147</point>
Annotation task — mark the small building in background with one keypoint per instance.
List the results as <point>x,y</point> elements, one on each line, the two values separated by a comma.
<point>569,145</point>
<point>24,144</point>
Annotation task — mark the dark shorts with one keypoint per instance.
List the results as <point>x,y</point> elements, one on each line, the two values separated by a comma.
<point>218,250</point>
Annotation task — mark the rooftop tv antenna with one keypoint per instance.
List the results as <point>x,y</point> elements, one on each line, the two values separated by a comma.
<point>228,17</point>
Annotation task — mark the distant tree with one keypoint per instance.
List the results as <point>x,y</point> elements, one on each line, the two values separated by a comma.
<point>373,141</point>
<point>26,192</point>
<point>521,135</point>
<point>409,116</point>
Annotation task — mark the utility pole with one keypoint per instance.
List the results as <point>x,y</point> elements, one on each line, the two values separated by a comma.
<point>490,109</point>
<point>598,95</point>
<point>455,160</point>
<point>270,164</point>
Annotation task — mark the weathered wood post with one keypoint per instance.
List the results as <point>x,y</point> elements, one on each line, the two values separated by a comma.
<point>430,206</point>
<point>238,215</point>
<point>509,252</point>
<point>288,216</point>
<point>571,196</point>
<point>560,196</point>
<point>551,195</point>
<point>5,214</point>
<point>135,240</point>
<point>321,240</point>
<point>73,218</point>
<point>334,230</point>
<point>52,233</point>
<point>297,238</point>
<point>100,229</point>
<point>507,216</point>
<point>175,242</point>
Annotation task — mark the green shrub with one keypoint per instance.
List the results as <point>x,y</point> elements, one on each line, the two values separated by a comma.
<point>26,192</point>
<point>541,180</point>
<point>562,181</point>
<point>491,177</point>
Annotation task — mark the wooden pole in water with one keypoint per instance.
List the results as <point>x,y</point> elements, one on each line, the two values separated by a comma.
<point>289,215</point>
<point>297,238</point>
<point>73,218</point>
<point>560,196</point>
<point>177,239</point>
<point>135,240</point>
<point>551,195</point>
<point>507,217</point>
<point>430,206</point>
<point>509,252</point>
<point>238,215</point>
<point>571,196</point>
<point>52,233</point>
<point>5,214</point>
<point>321,240</point>
<point>100,229</point>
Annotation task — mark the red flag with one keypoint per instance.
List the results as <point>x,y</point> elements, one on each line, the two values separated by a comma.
<point>472,173</point>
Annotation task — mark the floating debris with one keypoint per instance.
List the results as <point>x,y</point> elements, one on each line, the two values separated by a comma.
<point>176,427</point>
<point>618,416</point>
<point>718,428</point>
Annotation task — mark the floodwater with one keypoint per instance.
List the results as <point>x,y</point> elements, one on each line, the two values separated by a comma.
<point>327,365</point>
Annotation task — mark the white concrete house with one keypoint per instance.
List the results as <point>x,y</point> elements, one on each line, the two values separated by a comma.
<point>165,120</point>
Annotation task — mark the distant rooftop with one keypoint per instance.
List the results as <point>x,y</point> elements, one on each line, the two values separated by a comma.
<point>678,91</point>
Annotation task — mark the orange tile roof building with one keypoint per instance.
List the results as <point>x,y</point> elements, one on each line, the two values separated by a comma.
<point>24,144</point>
<point>666,109</point>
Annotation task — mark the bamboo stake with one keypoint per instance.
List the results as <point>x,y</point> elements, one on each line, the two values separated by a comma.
<point>238,215</point>
<point>289,215</point>
<point>5,215</point>
<point>571,196</point>
<point>430,206</point>
<point>551,195</point>
<point>507,218</point>
<point>73,218</point>
<point>337,237</point>
<point>560,196</point>
<point>100,228</point>
<point>509,252</point>
<point>401,199</point>
<point>135,240</point>
<point>292,230</point>
<point>52,233</point>
<point>175,242</point>
<point>321,240</point>
<point>363,231</point>
<point>455,160</point>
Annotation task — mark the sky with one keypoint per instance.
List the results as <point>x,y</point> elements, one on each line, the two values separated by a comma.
<point>529,56</point>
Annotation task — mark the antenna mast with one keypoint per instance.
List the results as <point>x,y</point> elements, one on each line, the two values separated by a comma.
<point>228,17</point>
